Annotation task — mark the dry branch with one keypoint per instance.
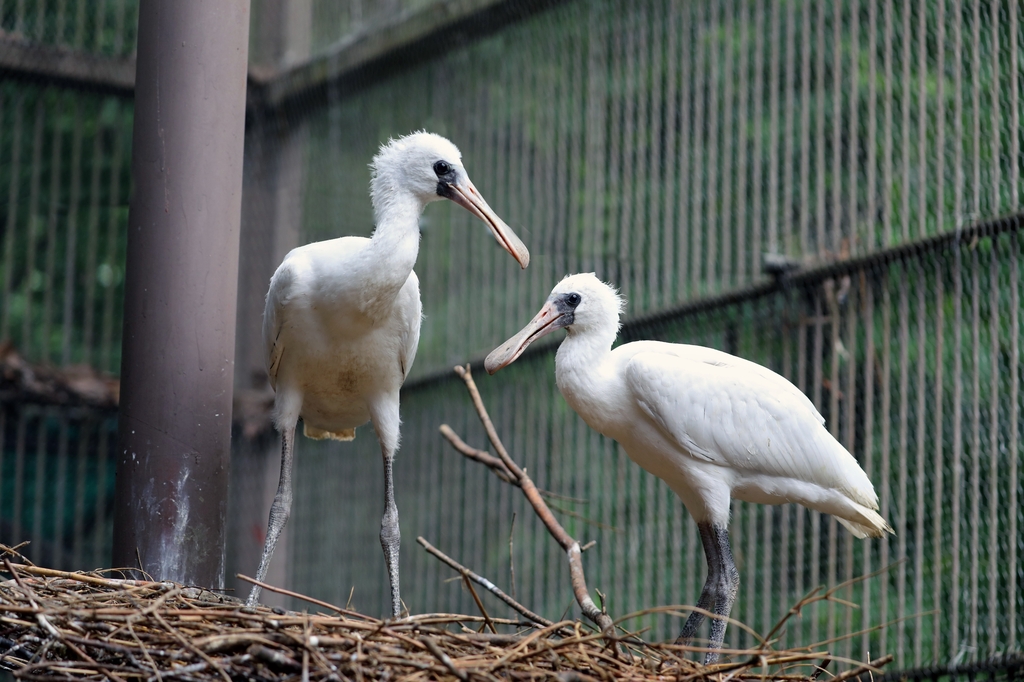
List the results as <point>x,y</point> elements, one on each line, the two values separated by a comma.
<point>484,582</point>
<point>486,458</point>
<point>296,595</point>
<point>514,472</point>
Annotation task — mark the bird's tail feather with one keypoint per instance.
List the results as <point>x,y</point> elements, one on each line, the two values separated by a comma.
<point>870,524</point>
<point>320,434</point>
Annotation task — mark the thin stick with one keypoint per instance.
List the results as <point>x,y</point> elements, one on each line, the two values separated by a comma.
<point>585,519</point>
<point>879,626</point>
<point>873,666</point>
<point>813,596</point>
<point>479,604</point>
<point>190,646</point>
<point>568,544</point>
<point>485,458</point>
<point>83,578</point>
<point>820,668</point>
<point>145,653</point>
<point>511,556</point>
<point>502,471</point>
<point>794,610</point>
<point>445,660</point>
<point>48,627</point>
<point>704,672</point>
<point>311,600</point>
<point>484,582</point>
<point>485,419</point>
<point>44,623</point>
<point>14,550</point>
<point>679,609</point>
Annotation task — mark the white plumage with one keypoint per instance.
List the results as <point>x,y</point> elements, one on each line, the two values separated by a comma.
<point>711,425</point>
<point>342,321</point>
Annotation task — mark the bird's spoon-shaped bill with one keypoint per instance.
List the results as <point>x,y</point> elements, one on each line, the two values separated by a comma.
<point>467,196</point>
<point>546,321</point>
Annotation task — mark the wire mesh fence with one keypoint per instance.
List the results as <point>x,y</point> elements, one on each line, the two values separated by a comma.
<point>915,367</point>
<point>56,483</point>
<point>105,27</point>
<point>65,178</point>
<point>830,189</point>
<point>670,147</point>
<point>64,183</point>
<point>675,149</point>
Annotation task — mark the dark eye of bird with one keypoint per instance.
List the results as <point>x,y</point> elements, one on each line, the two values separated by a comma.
<point>442,168</point>
<point>573,299</point>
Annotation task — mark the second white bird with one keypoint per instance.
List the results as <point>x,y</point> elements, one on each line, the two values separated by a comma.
<point>711,425</point>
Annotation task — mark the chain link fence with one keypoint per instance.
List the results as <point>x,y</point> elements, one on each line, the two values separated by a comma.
<point>65,152</point>
<point>830,189</point>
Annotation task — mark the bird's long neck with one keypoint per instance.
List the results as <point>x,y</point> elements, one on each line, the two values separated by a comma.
<point>580,370</point>
<point>394,245</point>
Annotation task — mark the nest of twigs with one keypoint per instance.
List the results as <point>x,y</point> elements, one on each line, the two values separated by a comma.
<point>58,625</point>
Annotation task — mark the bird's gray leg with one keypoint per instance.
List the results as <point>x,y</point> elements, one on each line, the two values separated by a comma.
<point>279,511</point>
<point>390,534</point>
<point>384,415</point>
<point>719,591</point>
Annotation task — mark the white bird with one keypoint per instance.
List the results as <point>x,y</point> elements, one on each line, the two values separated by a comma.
<point>342,322</point>
<point>711,425</point>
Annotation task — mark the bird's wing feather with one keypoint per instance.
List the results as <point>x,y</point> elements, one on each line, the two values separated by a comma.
<point>273,319</point>
<point>745,420</point>
<point>723,359</point>
<point>410,336</point>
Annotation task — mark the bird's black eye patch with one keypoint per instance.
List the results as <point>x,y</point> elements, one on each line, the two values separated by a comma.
<point>573,299</point>
<point>442,168</point>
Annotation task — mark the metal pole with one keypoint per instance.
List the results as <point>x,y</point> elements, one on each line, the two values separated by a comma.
<point>180,290</point>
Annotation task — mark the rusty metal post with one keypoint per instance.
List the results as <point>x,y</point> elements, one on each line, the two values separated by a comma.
<point>180,290</point>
